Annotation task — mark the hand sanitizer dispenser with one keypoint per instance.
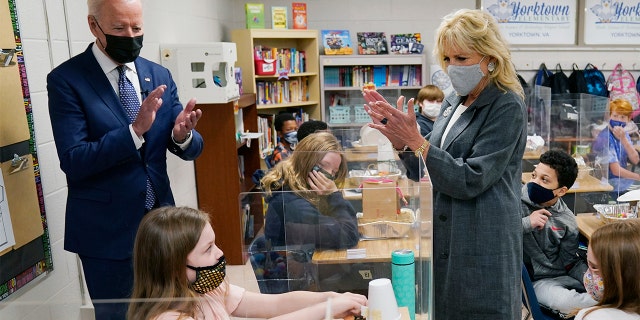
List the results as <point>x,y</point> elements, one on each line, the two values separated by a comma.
<point>204,71</point>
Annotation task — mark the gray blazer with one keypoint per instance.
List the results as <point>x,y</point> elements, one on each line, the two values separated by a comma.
<point>476,177</point>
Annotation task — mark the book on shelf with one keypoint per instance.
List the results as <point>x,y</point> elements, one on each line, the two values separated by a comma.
<point>237,74</point>
<point>290,59</point>
<point>254,13</point>
<point>299,15</point>
<point>266,141</point>
<point>283,91</point>
<point>372,43</point>
<point>404,75</point>
<point>336,42</point>
<point>406,43</point>
<point>279,17</point>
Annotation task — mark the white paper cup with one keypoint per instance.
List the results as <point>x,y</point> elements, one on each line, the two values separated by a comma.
<point>382,303</point>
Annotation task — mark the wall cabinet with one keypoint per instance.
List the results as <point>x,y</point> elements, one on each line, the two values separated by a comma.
<point>224,170</point>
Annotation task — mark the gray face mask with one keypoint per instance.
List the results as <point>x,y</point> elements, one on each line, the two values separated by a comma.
<point>465,78</point>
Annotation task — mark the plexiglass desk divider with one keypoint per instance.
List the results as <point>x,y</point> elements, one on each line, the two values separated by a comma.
<point>300,262</point>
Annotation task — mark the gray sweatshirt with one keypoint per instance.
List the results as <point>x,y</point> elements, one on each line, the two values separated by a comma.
<point>552,251</point>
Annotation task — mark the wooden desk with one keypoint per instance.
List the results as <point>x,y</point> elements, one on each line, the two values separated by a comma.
<point>356,273</point>
<point>534,155</point>
<point>376,251</point>
<point>364,155</point>
<point>586,184</point>
<point>569,141</point>
<point>588,223</point>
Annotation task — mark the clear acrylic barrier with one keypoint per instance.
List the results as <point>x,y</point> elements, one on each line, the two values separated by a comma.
<point>572,122</point>
<point>293,244</point>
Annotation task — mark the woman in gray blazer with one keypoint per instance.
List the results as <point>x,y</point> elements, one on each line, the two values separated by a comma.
<point>473,157</point>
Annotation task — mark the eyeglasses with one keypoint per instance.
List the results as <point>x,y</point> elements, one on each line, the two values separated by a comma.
<point>324,172</point>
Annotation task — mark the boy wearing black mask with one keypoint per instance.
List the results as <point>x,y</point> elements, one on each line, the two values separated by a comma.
<point>550,239</point>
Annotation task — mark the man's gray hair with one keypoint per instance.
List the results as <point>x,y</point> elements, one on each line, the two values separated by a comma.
<point>94,6</point>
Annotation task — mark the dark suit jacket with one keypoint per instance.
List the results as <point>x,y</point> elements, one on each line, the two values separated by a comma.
<point>106,175</point>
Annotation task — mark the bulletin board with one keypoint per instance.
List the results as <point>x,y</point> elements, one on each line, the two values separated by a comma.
<point>25,249</point>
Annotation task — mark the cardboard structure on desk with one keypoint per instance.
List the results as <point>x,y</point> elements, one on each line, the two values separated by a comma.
<point>379,199</point>
<point>204,71</point>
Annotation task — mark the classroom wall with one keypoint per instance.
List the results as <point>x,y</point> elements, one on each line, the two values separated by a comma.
<point>54,30</point>
<point>410,16</point>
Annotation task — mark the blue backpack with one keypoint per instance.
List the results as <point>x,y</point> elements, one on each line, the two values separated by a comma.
<point>596,83</point>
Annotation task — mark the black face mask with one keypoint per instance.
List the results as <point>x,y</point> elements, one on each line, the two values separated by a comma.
<point>539,194</point>
<point>122,49</point>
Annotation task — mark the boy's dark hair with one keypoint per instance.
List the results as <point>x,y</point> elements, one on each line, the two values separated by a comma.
<point>309,127</point>
<point>281,118</point>
<point>565,166</point>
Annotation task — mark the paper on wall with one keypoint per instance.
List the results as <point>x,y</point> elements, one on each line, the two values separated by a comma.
<point>7,240</point>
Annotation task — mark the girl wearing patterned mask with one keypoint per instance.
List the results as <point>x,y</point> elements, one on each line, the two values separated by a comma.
<point>179,273</point>
<point>613,277</point>
<point>429,99</point>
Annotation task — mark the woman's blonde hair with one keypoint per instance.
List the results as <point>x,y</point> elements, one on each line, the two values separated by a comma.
<point>477,31</point>
<point>621,106</point>
<point>616,247</point>
<point>294,171</point>
<point>165,238</point>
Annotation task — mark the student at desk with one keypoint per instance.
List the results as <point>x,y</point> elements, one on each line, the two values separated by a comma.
<point>620,149</point>
<point>305,205</point>
<point>550,239</point>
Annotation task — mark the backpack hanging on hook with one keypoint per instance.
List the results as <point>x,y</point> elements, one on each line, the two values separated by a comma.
<point>596,83</point>
<point>559,82</point>
<point>622,85</point>
<point>542,76</point>
<point>577,81</point>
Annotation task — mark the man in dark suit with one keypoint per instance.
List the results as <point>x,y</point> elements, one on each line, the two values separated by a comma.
<point>115,159</point>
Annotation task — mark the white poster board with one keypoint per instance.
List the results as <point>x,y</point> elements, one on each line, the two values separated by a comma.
<point>612,22</point>
<point>535,21</point>
<point>7,239</point>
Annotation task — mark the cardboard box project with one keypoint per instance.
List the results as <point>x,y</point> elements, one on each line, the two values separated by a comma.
<point>204,71</point>
<point>379,200</point>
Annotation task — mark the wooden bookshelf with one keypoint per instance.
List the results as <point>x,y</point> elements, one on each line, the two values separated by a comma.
<point>219,179</point>
<point>349,92</point>
<point>302,40</point>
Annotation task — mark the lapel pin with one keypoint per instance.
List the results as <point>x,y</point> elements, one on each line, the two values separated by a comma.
<point>447,111</point>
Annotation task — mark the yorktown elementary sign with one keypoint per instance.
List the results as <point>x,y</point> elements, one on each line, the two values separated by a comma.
<point>535,22</point>
<point>612,22</point>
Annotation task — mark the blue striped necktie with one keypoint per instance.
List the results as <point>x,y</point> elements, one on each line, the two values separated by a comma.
<point>131,104</point>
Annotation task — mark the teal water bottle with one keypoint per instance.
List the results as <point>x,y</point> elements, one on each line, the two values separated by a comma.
<point>403,279</point>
